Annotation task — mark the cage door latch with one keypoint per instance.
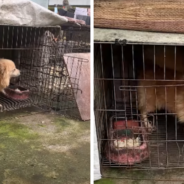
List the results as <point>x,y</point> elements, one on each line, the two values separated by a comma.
<point>120,42</point>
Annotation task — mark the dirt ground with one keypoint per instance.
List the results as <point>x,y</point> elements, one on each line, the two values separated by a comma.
<point>43,148</point>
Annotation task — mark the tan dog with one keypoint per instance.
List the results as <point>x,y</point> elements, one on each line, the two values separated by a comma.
<point>170,98</point>
<point>7,71</point>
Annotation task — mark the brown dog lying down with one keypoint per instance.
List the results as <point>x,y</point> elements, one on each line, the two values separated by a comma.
<point>7,71</point>
<point>165,96</point>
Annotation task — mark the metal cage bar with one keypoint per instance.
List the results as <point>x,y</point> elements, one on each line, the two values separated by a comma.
<point>39,53</point>
<point>128,76</point>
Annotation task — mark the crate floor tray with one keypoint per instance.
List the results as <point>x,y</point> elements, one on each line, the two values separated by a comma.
<point>8,104</point>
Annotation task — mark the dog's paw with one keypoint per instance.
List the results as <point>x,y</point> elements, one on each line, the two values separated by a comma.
<point>3,91</point>
<point>1,108</point>
<point>149,127</point>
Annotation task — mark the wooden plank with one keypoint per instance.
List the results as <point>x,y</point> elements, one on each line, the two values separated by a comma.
<point>147,15</point>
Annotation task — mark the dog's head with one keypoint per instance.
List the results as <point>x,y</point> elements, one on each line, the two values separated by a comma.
<point>8,69</point>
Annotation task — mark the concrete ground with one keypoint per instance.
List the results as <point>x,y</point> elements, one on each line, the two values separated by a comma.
<point>43,148</point>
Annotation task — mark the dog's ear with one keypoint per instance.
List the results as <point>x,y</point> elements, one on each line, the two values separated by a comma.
<point>4,78</point>
<point>2,69</point>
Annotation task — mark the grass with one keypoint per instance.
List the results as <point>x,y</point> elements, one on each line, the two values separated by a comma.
<point>104,181</point>
<point>14,130</point>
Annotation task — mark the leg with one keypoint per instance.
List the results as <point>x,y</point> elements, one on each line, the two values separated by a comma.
<point>3,91</point>
<point>146,121</point>
<point>180,110</point>
<point>180,115</point>
<point>146,105</point>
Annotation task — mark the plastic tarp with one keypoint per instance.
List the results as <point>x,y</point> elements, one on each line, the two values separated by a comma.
<point>28,13</point>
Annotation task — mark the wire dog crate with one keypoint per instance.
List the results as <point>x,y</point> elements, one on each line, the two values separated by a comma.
<point>130,78</point>
<point>39,53</point>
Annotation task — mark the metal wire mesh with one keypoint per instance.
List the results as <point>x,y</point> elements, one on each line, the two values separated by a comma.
<point>39,53</point>
<point>79,38</point>
<point>128,79</point>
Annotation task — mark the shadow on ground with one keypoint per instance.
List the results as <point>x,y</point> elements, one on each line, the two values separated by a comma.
<point>43,148</point>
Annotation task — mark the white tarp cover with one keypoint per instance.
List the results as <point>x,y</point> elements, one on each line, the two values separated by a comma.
<point>27,13</point>
<point>97,174</point>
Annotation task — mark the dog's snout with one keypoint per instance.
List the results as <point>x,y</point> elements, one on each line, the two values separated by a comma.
<point>15,73</point>
<point>19,72</point>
